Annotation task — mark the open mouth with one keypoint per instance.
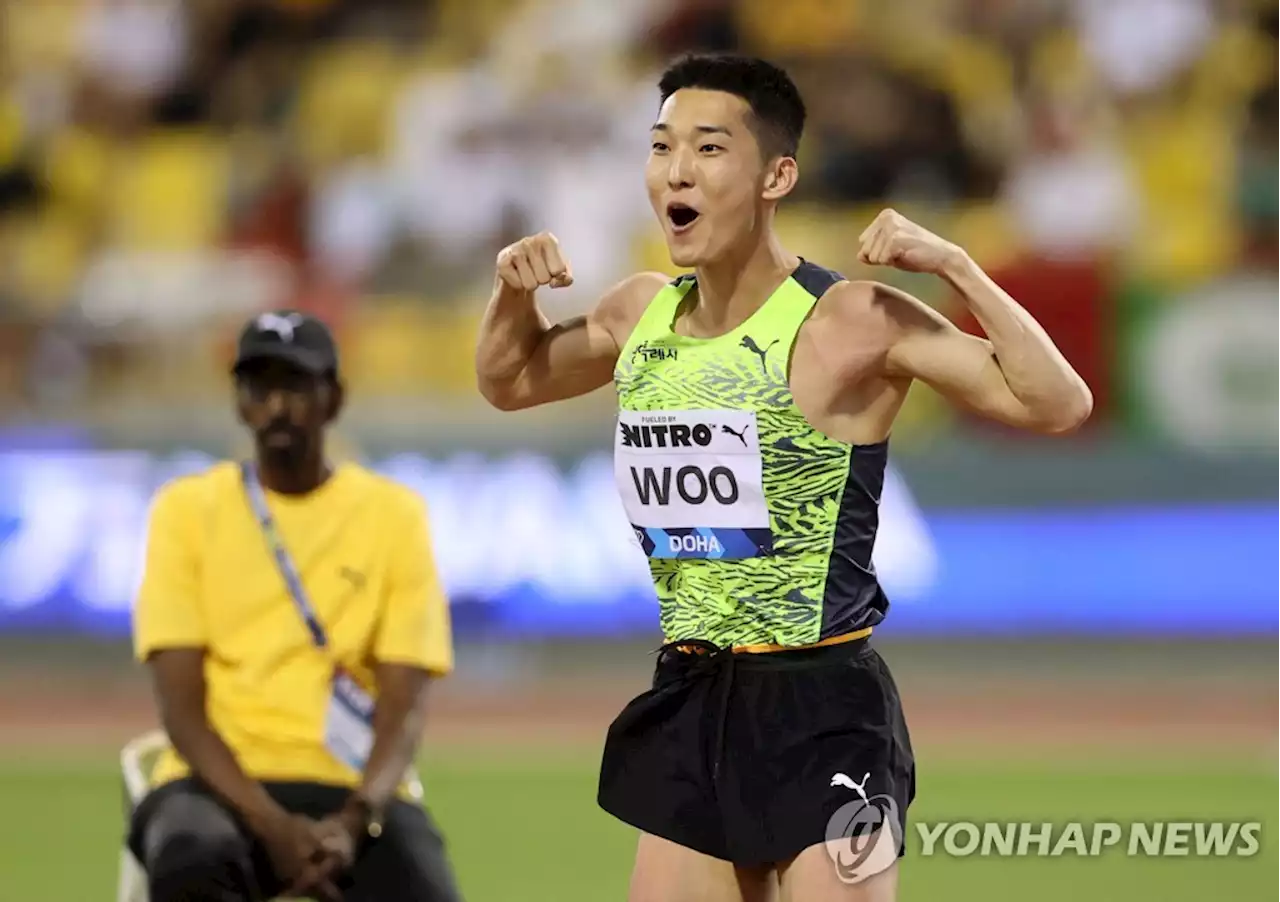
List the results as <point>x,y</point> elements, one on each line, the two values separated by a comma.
<point>682,216</point>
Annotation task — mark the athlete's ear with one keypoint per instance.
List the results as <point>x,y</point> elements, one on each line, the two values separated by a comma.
<point>781,178</point>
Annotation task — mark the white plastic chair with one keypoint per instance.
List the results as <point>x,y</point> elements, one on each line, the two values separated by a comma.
<point>136,761</point>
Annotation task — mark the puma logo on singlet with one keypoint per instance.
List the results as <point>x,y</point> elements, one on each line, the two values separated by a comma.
<point>750,344</point>
<point>740,436</point>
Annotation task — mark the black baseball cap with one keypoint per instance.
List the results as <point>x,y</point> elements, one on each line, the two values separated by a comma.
<point>289,336</point>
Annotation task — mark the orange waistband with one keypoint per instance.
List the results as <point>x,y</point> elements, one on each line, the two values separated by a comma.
<point>766,647</point>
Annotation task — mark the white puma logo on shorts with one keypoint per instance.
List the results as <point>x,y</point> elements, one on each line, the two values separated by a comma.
<point>847,782</point>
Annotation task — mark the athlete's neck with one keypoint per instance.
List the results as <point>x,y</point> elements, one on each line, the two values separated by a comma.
<point>736,286</point>
<point>290,475</point>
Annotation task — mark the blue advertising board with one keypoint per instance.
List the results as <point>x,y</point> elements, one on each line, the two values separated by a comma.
<point>529,549</point>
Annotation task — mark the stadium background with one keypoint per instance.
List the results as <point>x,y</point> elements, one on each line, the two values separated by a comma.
<point>1084,629</point>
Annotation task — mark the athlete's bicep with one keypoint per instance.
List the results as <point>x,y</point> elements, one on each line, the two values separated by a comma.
<point>578,355</point>
<point>962,368</point>
<point>573,358</point>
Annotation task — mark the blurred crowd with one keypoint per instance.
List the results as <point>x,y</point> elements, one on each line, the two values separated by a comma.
<point>168,166</point>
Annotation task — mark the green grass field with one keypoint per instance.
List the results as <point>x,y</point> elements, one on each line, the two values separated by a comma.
<point>525,827</point>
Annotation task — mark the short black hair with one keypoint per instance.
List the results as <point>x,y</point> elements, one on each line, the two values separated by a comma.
<point>776,107</point>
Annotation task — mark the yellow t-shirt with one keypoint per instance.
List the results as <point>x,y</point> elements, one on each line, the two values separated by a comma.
<point>361,544</point>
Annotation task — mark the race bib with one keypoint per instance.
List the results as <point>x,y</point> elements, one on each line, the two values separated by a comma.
<point>349,722</point>
<point>692,483</point>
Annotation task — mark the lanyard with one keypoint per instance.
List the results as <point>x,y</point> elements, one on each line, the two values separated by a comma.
<point>292,581</point>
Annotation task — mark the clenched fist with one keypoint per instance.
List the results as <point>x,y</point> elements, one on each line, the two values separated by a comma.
<point>534,261</point>
<point>893,240</point>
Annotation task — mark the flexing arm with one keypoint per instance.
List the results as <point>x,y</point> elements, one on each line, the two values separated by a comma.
<point>1016,376</point>
<point>522,359</point>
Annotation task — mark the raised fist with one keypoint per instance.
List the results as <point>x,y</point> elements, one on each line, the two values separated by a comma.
<point>534,261</point>
<point>893,240</point>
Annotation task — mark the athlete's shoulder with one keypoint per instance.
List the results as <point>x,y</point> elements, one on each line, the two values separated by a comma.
<point>871,310</point>
<point>869,301</point>
<point>623,305</point>
<point>635,292</point>
<point>862,298</point>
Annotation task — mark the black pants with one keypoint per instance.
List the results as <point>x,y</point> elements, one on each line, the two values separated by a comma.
<point>753,758</point>
<point>196,850</point>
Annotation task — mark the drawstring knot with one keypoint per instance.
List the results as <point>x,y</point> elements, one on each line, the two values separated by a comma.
<point>711,660</point>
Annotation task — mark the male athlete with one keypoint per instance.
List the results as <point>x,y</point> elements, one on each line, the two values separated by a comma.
<point>292,618</point>
<point>756,400</point>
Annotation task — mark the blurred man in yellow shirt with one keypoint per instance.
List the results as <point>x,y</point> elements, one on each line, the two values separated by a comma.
<point>292,618</point>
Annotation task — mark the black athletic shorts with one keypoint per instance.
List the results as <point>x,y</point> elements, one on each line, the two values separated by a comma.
<point>193,847</point>
<point>753,757</point>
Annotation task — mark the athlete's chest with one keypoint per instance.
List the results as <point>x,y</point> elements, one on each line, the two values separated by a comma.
<point>814,376</point>
<point>711,446</point>
<point>673,372</point>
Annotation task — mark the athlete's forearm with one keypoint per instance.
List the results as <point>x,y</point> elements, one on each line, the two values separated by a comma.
<point>510,332</point>
<point>1037,373</point>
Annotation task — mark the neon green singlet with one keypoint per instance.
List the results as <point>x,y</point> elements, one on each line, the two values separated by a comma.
<point>758,528</point>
